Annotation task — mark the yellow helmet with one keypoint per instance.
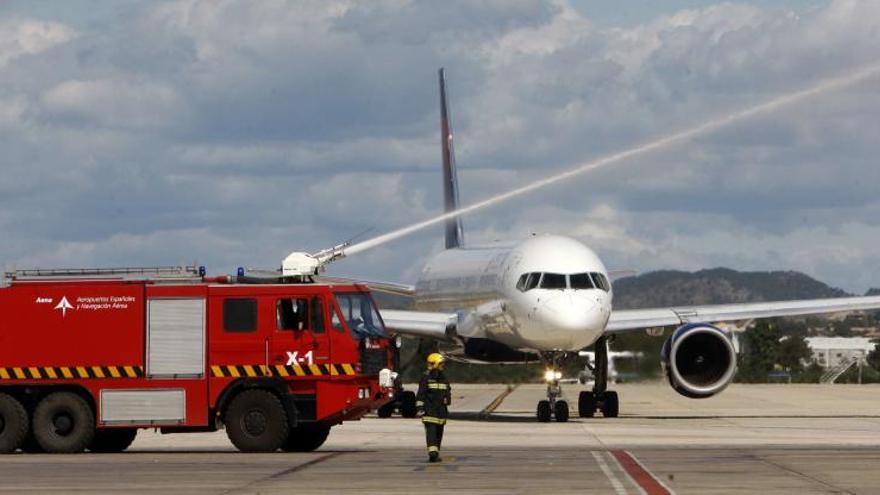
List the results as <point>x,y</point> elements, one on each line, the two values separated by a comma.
<point>435,359</point>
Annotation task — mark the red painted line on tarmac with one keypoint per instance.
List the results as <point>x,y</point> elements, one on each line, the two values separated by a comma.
<point>639,474</point>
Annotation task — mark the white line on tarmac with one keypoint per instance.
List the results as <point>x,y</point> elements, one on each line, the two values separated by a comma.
<point>618,486</point>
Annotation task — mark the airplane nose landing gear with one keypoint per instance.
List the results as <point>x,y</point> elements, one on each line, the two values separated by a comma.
<point>554,406</point>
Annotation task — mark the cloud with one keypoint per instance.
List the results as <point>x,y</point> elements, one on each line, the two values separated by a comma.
<point>235,132</point>
<point>114,104</point>
<point>23,37</point>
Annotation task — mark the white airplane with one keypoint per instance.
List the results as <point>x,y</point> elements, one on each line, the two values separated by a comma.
<point>547,298</point>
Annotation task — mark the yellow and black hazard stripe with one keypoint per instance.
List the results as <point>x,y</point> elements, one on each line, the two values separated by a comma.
<point>257,370</point>
<point>70,372</point>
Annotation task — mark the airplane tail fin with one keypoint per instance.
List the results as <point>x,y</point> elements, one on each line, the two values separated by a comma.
<point>454,232</point>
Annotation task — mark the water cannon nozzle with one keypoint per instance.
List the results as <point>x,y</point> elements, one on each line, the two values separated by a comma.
<point>302,264</point>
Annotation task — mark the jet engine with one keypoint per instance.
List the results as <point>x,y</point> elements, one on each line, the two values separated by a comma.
<point>699,360</point>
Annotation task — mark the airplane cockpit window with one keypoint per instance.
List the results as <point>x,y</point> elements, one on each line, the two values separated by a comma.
<point>554,281</point>
<point>601,282</point>
<point>532,282</point>
<point>528,281</point>
<point>581,281</point>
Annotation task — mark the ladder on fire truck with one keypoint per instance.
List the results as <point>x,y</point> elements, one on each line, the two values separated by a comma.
<point>170,273</point>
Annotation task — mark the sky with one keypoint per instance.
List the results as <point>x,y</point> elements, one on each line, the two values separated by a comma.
<point>231,133</point>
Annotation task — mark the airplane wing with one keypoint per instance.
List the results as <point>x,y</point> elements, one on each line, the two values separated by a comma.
<point>387,287</point>
<point>634,319</point>
<point>440,326</point>
<point>433,325</point>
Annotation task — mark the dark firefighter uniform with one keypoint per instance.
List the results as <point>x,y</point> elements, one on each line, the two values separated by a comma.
<point>432,400</point>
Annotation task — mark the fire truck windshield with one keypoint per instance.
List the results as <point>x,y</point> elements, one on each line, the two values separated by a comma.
<point>361,315</point>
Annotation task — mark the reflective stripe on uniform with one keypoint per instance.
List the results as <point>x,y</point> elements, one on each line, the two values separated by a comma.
<point>420,403</point>
<point>434,420</point>
<point>438,386</point>
<point>433,448</point>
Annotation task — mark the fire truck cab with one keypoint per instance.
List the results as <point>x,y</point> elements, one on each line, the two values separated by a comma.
<point>87,357</point>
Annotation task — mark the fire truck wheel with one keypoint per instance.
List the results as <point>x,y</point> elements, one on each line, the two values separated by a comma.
<point>30,445</point>
<point>306,438</point>
<point>386,411</point>
<point>256,421</point>
<point>408,404</point>
<point>112,439</point>
<point>13,424</point>
<point>64,423</point>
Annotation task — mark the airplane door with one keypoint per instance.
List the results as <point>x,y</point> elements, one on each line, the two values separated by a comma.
<point>299,334</point>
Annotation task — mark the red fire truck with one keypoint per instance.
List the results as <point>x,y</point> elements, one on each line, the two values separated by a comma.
<point>87,357</point>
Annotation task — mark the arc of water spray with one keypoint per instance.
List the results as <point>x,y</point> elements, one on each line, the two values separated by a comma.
<point>664,142</point>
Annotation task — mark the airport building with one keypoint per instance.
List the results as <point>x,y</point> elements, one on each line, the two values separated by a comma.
<point>831,352</point>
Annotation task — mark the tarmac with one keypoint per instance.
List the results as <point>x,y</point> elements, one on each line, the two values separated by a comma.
<point>799,439</point>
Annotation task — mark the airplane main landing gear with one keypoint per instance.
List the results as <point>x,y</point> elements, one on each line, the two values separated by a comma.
<point>589,403</point>
<point>600,398</point>
<point>554,406</point>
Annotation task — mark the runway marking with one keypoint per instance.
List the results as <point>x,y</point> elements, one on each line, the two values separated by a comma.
<point>488,410</point>
<point>600,460</point>
<point>640,475</point>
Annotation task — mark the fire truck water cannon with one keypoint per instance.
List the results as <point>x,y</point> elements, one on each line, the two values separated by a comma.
<point>302,264</point>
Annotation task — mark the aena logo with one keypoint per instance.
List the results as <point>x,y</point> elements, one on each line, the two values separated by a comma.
<point>64,305</point>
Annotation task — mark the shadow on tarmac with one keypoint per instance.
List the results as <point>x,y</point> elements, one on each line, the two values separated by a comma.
<point>490,418</point>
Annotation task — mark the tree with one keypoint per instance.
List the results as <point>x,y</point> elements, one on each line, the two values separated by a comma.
<point>811,374</point>
<point>793,351</point>
<point>760,352</point>
<point>843,329</point>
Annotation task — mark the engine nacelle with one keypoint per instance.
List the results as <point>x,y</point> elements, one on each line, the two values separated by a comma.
<point>699,360</point>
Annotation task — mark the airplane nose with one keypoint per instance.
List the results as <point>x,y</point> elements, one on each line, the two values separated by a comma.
<point>571,312</point>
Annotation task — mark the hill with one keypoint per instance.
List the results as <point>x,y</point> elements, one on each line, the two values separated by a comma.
<point>716,286</point>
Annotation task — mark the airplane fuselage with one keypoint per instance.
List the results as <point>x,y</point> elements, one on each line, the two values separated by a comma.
<point>547,293</point>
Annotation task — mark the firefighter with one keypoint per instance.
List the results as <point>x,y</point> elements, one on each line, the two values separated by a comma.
<point>432,401</point>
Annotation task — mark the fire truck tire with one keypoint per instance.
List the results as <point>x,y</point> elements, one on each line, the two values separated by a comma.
<point>64,423</point>
<point>109,440</point>
<point>256,421</point>
<point>408,404</point>
<point>30,445</point>
<point>13,424</point>
<point>306,438</point>
<point>386,411</point>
